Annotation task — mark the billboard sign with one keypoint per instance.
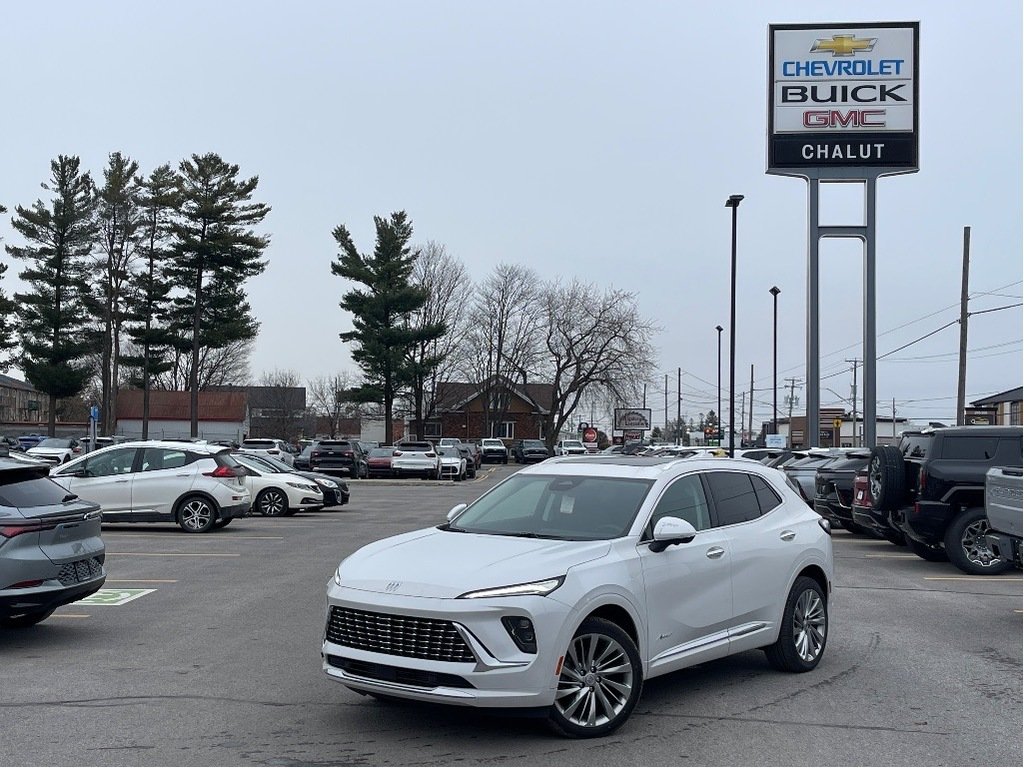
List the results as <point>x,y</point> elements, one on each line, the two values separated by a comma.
<point>633,418</point>
<point>842,96</point>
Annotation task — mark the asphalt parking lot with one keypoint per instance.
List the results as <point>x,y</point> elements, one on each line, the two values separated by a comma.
<point>212,658</point>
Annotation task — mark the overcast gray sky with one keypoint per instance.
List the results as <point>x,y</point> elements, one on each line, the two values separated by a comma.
<point>589,139</point>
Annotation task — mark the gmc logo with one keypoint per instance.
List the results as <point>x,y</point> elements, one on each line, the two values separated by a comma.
<point>850,118</point>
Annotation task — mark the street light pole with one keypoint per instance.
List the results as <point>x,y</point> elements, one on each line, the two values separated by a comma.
<point>775,291</point>
<point>734,203</point>
<point>718,413</point>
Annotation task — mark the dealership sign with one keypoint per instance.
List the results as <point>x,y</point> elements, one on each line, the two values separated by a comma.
<point>842,96</point>
<point>633,418</point>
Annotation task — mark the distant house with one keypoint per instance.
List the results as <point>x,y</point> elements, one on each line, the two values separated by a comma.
<point>20,402</point>
<point>222,415</point>
<point>1006,404</point>
<point>460,410</point>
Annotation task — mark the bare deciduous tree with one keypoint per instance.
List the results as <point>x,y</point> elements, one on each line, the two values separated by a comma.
<point>217,367</point>
<point>449,289</point>
<point>593,343</point>
<point>502,341</point>
<point>327,396</point>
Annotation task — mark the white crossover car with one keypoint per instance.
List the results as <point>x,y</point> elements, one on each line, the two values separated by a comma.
<point>55,450</point>
<point>269,447</point>
<point>197,486</point>
<point>570,448</point>
<point>453,463</point>
<point>277,493</point>
<point>571,582</point>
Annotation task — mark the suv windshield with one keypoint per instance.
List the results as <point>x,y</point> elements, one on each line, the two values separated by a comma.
<point>54,442</point>
<point>534,444</point>
<point>562,507</point>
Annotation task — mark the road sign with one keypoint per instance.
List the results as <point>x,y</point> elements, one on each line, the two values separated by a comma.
<point>113,596</point>
<point>94,413</point>
<point>590,435</point>
<point>837,423</point>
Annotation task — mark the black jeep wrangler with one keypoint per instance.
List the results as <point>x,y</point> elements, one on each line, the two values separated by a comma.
<point>935,494</point>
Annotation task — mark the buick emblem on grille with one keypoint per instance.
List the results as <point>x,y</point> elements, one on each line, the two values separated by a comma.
<point>392,586</point>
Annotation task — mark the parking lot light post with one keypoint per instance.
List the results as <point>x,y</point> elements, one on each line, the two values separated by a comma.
<point>718,413</point>
<point>775,291</point>
<point>734,203</point>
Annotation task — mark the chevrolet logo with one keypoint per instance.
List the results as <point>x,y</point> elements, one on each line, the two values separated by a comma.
<point>844,45</point>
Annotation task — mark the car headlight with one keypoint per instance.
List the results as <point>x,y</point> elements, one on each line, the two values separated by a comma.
<point>304,487</point>
<point>337,576</point>
<point>326,483</point>
<point>541,588</point>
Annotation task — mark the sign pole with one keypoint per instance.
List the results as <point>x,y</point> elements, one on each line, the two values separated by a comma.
<point>812,430</point>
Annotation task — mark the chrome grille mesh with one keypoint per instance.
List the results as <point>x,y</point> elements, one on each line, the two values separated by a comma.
<point>410,636</point>
<point>79,571</point>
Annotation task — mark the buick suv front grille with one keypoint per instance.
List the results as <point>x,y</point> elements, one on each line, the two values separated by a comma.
<point>410,636</point>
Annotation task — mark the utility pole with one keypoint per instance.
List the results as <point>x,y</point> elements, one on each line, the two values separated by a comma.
<point>679,404</point>
<point>894,418</point>
<point>750,430</point>
<point>961,383</point>
<point>645,396</point>
<point>666,407</point>
<point>792,399</point>
<point>854,361</point>
<point>743,415</point>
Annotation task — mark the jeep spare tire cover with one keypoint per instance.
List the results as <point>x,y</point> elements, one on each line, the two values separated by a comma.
<point>886,477</point>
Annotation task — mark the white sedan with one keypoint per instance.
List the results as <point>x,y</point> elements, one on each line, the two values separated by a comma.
<point>570,583</point>
<point>278,493</point>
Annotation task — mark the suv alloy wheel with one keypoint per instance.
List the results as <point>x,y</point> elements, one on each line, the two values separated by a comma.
<point>966,545</point>
<point>196,515</point>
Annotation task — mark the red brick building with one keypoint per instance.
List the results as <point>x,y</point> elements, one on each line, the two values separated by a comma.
<point>460,410</point>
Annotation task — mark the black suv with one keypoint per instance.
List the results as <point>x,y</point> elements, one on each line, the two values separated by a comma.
<point>526,451</point>
<point>338,456</point>
<point>935,491</point>
<point>833,490</point>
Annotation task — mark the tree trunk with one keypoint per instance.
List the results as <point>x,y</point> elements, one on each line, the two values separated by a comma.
<point>51,428</point>
<point>193,375</point>
<point>145,386</point>
<point>115,371</point>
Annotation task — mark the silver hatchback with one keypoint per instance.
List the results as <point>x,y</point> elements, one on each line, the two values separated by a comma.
<point>51,553</point>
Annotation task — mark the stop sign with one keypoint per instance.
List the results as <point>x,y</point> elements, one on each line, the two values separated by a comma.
<point>590,435</point>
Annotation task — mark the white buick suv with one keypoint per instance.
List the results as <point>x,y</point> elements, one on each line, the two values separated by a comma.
<point>567,585</point>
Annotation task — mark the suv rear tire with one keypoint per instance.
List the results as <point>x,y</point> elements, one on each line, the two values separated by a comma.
<point>966,545</point>
<point>886,477</point>
<point>196,514</point>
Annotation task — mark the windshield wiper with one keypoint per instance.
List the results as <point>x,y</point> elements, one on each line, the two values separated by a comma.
<point>523,534</point>
<point>450,527</point>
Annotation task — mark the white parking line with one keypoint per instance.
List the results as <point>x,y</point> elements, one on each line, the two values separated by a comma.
<point>970,578</point>
<point>175,554</point>
<point>69,616</point>
<point>896,557</point>
<point>141,581</point>
<point>130,536</point>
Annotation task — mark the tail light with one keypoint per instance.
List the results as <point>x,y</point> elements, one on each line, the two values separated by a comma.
<point>314,455</point>
<point>430,455</point>
<point>922,477</point>
<point>26,584</point>
<point>10,531</point>
<point>347,453</point>
<point>224,472</point>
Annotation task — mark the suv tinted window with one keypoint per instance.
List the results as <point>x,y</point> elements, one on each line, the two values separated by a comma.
<point>969,447</point>
<point>1009,451</point>
<point>767,498</point>
<point>915,446</point>
<point>735,500</point>
<point>685,499</point>
<point>154,459</point>
<point>116,462</point>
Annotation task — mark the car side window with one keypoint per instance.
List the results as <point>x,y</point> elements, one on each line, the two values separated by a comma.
<point>767,498</point>
<point>735,500</point>
<point>117,462</point>
<point>154,459</point>
<point>685,499</point>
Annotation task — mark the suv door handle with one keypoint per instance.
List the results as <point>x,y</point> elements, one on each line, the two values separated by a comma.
<point>715,552</point>
<point>787,535</point>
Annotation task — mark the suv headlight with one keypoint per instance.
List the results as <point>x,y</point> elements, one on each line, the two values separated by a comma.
<point>541,588</point>
<point>326,483</point>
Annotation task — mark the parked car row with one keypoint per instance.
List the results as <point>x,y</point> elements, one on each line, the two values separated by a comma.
<point>927,493</point>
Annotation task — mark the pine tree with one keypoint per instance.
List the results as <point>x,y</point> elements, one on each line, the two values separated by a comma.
<point>120,222</point>
<point>7,309</point>
<point>382,335</point>
<point>148,295</point>
<point>215,250</point>
<point>55,337</point>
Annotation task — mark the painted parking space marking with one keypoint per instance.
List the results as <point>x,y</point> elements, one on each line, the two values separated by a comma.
<point>971,578</point>
<point>141,581</point>
<point>69,616</point>
<point>114,596</point>
<point>896,557</point>
<point>213,555</point>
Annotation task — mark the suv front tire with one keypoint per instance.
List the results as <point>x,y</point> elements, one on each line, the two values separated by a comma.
<point>967,547</point>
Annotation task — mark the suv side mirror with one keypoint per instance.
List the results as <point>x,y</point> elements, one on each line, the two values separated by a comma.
<point>454,511</point>
<point>669,531</point>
